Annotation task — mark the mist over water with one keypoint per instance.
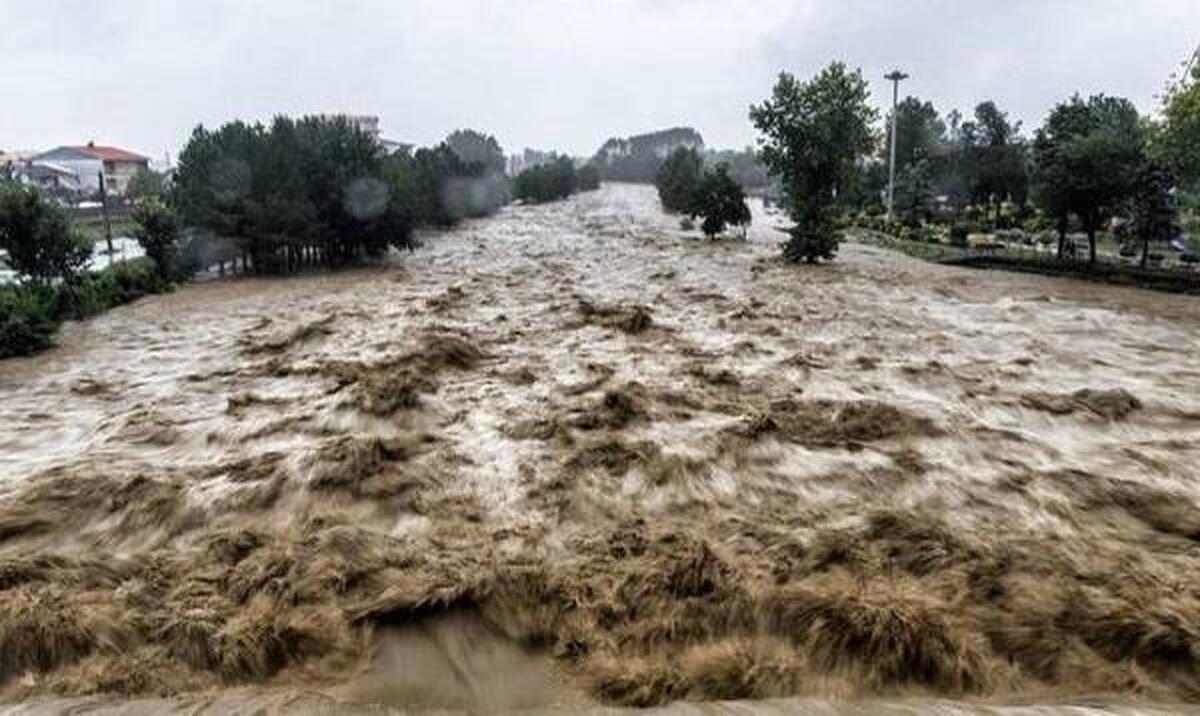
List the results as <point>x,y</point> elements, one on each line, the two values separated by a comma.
<point>571,456</point>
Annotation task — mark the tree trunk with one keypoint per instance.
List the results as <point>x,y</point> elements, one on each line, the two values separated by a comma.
<point>1062,237</point>
<point>1145,251</point>
<point>1091,234</point>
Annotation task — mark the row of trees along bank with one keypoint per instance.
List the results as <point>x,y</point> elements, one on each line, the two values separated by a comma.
<point>314,191</point>
<point>1094,165</point>
<point>317,191</point>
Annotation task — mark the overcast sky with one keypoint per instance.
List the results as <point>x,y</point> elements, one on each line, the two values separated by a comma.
<point>553,74</point>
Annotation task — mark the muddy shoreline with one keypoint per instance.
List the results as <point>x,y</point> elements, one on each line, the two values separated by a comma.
<point>644,467</point>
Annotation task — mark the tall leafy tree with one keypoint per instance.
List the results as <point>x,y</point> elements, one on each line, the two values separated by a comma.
<point>920,133</point>
<point>813,136</point>
<point>1087,158</point>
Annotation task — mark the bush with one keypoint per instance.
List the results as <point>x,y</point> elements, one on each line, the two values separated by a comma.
<point>116,285</point>
<point>27,320</point>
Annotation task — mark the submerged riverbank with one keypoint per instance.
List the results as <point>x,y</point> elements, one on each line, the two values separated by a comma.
<point>643,467</point>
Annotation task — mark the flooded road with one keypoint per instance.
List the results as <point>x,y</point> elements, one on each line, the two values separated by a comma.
<point>572,456</point>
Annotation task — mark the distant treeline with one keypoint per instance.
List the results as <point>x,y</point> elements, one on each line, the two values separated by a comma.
<point>639,158</point>
<point>553,180</point>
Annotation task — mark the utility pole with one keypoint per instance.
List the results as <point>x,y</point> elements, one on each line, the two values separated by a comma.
<point>895,77</point>
<point>107,223</point>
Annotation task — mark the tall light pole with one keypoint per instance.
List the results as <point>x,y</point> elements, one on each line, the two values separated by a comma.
<point>895,77</point>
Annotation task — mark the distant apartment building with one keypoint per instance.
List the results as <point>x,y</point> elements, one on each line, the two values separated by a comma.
<point>88,161</point>
<point>366,123</point>
<point>369,124</point>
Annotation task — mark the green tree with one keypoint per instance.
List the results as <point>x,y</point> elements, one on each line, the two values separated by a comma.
<point>720,201</point>
<point>157,232</point>
<point>994,158</point>
<point>1154,208</point>
<point>814,134</point>
<point>920,133</point>
<point>678,178</point>
<point>1087,157</point>
<point>914,192</point>
<point>39,241</point>
<point>1179,141</point>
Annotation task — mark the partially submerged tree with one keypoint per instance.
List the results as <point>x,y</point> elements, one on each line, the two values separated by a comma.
<point>720,201</point>
<point>550,181</point>
<point>678,178</point>
<point>588,177</point>
<point>41,246</point>
<point>813,136</point>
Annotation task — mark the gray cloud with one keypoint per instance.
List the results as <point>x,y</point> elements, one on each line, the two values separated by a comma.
<point>555,74</point>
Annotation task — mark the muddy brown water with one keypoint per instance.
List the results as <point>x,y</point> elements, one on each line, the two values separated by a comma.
<point>571,457</point>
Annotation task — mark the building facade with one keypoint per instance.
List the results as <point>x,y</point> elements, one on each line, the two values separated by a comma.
<point>88,162</point>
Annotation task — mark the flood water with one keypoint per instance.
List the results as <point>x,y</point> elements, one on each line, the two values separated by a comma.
<point>572,456</point>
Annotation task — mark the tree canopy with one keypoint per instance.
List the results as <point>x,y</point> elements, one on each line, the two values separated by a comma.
<point>1087,158</point>
<point>319,185</point>
<point>920,133</point>
<point>813,135</point>
<point>1179,142</point>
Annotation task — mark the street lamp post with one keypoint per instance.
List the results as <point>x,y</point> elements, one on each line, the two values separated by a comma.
<point>895,77</point>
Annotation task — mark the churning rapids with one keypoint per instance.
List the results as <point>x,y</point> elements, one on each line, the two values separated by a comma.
<point>572,457</point>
